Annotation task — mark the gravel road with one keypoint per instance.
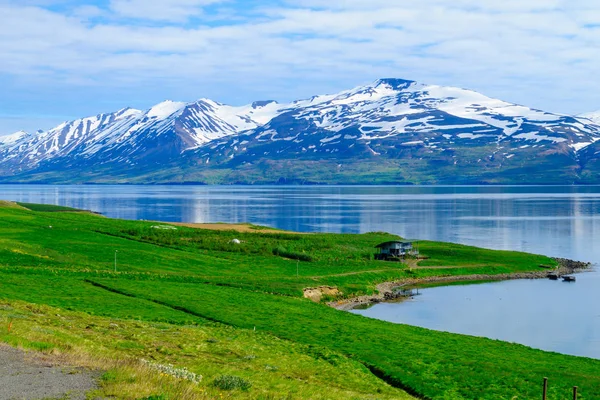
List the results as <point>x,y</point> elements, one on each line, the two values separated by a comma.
<point>28,375</point>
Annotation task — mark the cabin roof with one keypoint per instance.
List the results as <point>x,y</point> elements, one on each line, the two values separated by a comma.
<point>390,243</point>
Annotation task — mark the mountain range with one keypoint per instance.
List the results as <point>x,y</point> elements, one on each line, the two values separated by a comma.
<point>392,131</point>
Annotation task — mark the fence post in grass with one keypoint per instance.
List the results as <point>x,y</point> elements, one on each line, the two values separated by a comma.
<point>574,392</point>
<point>545,388</point>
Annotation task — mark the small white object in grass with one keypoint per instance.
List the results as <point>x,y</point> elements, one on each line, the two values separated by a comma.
<point>235,241</point>
<point>168,227</point>
<point>50,227</point>
<point>169,369</point>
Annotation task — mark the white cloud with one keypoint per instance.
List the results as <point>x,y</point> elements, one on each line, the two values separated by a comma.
<point>539,53</point>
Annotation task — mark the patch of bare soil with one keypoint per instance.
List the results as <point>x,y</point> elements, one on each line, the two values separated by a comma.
<point>30,375</point>
<point>315,294</point>
<point>4,203</point>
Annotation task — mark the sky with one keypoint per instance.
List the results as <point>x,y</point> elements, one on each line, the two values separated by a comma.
<point>65,59</point>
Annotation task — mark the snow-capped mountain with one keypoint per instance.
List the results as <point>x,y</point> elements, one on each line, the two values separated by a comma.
<point>132,136</point>
<point>393,128</point>
<point>66,138</point>
<point>401,120</point>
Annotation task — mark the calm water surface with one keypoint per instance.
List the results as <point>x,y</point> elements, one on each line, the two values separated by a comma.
<point>557,221</point>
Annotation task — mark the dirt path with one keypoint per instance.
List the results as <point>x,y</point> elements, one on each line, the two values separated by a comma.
<point>29,375</point>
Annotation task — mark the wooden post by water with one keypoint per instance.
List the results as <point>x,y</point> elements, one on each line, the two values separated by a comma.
<point>545,390</point>
<point>574,392</point>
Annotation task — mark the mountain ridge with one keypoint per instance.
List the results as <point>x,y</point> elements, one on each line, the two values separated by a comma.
<point>593,116</point>
<point>391,131</point>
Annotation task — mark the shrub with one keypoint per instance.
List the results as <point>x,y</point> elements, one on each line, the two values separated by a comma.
<point>231,382</point>
<point>282,252</point>
<point>109,376</point>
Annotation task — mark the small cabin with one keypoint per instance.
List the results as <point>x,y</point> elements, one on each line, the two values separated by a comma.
<point>394,249</point>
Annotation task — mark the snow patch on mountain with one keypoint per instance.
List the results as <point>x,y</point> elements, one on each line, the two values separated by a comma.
<point>580,146</point>
<point>536,136</point>
<point>12,138</point>
<point>165,109</point>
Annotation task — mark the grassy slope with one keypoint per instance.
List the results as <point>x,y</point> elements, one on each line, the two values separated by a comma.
<point>189,276</point>
<point>435,364</point>
<point>460,165</point>
<point>86,242</point>
<point>276,368</point>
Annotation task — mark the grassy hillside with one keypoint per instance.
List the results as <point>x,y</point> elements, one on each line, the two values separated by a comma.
<point>274,368</point>
<point>195,298</point>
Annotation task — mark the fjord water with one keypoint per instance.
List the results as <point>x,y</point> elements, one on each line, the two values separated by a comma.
<point>552,220</point>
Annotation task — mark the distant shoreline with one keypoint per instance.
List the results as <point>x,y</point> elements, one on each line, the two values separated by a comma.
<point>292,184</point>
<point>385,290</point>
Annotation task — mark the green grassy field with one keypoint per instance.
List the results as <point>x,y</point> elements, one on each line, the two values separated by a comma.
<point>175,288</point>
<point>274,367</point>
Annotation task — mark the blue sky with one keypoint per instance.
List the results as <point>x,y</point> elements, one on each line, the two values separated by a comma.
<point>64,59</point>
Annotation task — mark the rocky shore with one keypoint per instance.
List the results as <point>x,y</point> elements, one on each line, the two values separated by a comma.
<point>567,266</point>
<point>387,291</point>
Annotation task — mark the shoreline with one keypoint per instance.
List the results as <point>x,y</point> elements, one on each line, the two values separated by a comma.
<point>385,290</point>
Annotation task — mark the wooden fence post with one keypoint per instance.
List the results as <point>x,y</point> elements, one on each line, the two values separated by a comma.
<point>574,392</point>
<point>545,389</point>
